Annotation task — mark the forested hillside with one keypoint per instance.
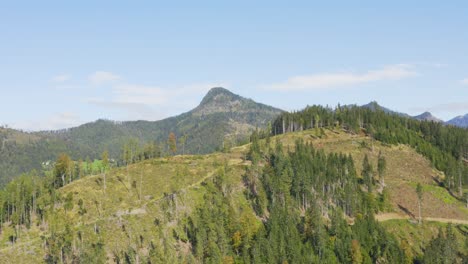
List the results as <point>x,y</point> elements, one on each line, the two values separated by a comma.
<point>221,119</point>
<point>312,196</point>
<point>344,185</point>
<point>445,146</point>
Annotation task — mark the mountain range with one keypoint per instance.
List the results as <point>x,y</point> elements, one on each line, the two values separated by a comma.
<point>221,118</point>
<point>287,196</point>
<point>459,121</point>
<point>427,116</point>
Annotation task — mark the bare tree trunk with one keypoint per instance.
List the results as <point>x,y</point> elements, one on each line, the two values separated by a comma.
<point>467,200</point>
<point>460,189</point>
<point>128,176</point>
<point>420,218</point>
<point>141,182</point>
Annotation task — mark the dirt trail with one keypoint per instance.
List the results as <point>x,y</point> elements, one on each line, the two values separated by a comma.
<point>393,216</point>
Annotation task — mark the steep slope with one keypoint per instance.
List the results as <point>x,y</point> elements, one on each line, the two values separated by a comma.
<point>460,121</point>
<point>406,168</point>
<point>151,205</point>
<point>426,116</point>
<point>222,117</point>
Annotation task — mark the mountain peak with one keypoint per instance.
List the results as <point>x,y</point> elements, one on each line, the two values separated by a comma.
<point>374,106</point>
<point>219,93</point>
<point>218,90</point>
<point>460,121</point>
<point>221,100</point>
<point>427,116</point>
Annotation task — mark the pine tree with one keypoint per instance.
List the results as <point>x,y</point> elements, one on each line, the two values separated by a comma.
<point>61,169</point>
<point>367,173</point>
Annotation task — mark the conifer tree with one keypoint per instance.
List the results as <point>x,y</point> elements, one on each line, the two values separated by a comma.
<point>367,173</point>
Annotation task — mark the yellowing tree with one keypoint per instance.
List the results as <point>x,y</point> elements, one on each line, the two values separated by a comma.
<point>172,142</point>
<point>105,160</point>
<point>356,255</point>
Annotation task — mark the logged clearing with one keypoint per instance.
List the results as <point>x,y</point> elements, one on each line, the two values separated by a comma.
<point>133,203</point>
<point>405,168</point>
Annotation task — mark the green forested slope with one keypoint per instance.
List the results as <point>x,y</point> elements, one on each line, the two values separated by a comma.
<point>221,118</point>
<point>303,197</point>
<point>445,146</point>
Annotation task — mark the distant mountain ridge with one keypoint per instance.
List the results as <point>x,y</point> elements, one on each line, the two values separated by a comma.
<point>374,106</point>
<point>460,121</point>
<point>221,113</point>
<point>221,116</point>
<point>427,116</point>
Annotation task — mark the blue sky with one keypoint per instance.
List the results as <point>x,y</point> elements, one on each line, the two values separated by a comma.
<point>65,63</point>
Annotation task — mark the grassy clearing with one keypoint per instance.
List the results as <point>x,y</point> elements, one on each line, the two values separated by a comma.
<point>151,199</point>
<point>405,168</point>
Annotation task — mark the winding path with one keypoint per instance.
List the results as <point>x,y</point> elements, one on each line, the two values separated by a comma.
<point>395,216</point>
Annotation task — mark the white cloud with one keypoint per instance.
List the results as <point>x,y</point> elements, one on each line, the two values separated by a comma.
<point>157,96</point>
<point>464,81</point>
<point>140,94</point>
<point>53,122</point>
<point>61,78</point>
<point>146,102</point>
<point>132,111</point>
<point>102,77</point>
<point>447,107</point>
<point>331,80</point>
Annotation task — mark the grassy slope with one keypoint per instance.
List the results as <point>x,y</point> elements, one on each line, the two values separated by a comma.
<point>123,218</point>
<point>405,168</point>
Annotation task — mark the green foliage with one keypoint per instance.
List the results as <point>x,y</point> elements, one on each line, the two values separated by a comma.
<point>203,130</point>
<point>419,191</point>
<point>300,205</point>
<point>63,170</point>
<point>367,174</point>
<point>443,145</point>
<point>442,249</point>
<point>305,180</point>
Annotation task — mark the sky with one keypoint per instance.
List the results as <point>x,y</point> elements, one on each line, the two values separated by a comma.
<point>65,63</point>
